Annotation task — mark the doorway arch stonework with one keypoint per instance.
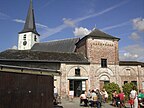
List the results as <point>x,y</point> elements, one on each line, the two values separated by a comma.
<point>77,83</point>
<point>103,75</point>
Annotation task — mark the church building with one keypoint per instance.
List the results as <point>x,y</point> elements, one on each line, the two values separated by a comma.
<point>84,63</point>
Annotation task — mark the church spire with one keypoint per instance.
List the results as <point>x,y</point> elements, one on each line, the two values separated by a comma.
<point>30,21</point>
<point>28,36</point>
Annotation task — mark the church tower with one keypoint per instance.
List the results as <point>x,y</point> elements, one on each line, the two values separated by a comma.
<point>29,35</point>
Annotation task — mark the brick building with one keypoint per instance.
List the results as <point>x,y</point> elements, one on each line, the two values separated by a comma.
<point>85,63</point>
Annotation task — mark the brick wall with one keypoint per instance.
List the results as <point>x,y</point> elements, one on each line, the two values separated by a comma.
<point>107,49</point>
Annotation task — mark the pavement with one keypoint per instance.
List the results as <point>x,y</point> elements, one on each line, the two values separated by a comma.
<point>76,104</point>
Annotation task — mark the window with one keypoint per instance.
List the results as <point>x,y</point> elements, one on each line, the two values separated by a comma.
<point>103,63</point>
<point>106,82</point>
<point>77,72</point>
<point>134,82</point>
<point>24,37</point>
<point>35,38</point>
<point>125,82</point>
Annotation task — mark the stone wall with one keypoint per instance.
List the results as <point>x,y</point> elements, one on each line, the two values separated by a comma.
<point>131,73</point>
<point>96,74</point>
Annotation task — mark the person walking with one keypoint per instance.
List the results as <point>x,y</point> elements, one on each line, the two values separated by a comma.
<point>114,97</point>
<point>89,94</point>
<point>121,96</point>
<point>141,98</point>
<point>104,95</point>
<point>83,98</point>
<point>93,98</point>
<point>71,95</point>
<point>99,98</point>
<point>133,96</point>
<point>55,95</point>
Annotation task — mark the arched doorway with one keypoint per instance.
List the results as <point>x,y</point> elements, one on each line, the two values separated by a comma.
<point>104,76</point>
<point>104,79</point>
<point>77,80</point>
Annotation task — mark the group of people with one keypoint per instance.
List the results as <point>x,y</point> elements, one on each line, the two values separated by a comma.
<point>96,97</point>
<point>136,100</point>
<point>118,98</point>
<point>93,98</point>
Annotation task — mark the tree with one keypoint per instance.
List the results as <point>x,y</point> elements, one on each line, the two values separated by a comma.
<point>127,89</point>
<point>110,87</point>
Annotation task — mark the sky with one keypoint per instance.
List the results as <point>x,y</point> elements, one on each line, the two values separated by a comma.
<point>62,19</point>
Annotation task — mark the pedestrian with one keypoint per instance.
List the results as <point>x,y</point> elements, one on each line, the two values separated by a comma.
<point>121,96</point>
<point>99,98</point>
<point>104,95</point>
<point>133,96</point>
<point>89,94</point>
<point>83,98</point>
<point>71,95</point>
<point>55,95</point>
<point>114,97</point>
<point>93,98</point>
<point>141,98</point>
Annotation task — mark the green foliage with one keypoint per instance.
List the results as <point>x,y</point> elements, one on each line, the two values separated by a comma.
<point>110,87</point>
<point>127,89</point>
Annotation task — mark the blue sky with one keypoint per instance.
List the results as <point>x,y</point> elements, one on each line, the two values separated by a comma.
<point>60,19</point>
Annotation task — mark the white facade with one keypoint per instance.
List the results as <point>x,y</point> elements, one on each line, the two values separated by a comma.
<point>27,40</point>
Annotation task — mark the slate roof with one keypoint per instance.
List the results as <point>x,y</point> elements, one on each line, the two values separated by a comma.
<point>100,34</point>
<point>131,63</point>
<point>28,55</point>
<point>67,45</point>
<point>30,21</point>
<point>97,34</point>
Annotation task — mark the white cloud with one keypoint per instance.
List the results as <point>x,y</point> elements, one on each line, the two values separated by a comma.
<point>69,22</point>
<point>101,12</point>
<point>23,21</point>
<point>4,16</point>
<point>138,24</point>
<point>116,26</point>
<point>81,31</point>
<point>41,25</point>
<point>50,31</point>
<point>129,55</point>
<point>14,47</point>
<point>132,52</point>
<point>18,20</point>
<point>47,3</point>
<point>134,36</point>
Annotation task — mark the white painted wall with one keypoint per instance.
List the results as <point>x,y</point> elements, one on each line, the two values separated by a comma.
<point>29,39</point>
